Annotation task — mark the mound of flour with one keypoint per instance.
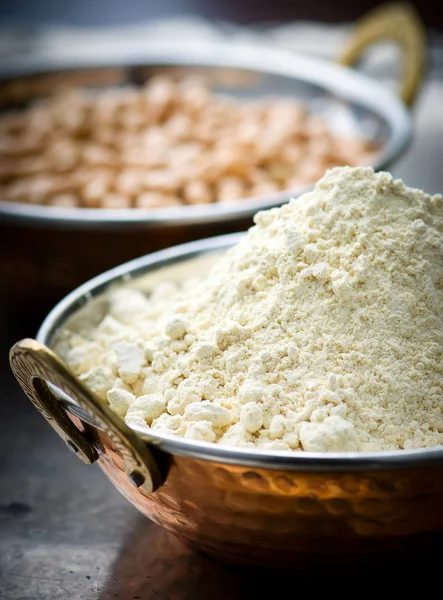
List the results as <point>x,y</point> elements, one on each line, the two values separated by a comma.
<point>321,331</point>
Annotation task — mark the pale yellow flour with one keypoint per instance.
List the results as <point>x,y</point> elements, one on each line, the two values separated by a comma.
<point>321,331</point>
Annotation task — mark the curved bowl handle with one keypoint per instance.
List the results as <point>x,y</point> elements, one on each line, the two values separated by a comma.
<point>33,365</point>
<point>399,23</point>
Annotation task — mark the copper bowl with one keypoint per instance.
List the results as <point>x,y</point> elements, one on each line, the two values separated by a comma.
<point>240,505</point>
<point>52,250</point>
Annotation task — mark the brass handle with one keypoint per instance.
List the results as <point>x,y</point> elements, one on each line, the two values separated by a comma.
<point>399,23</point>
<point>33,364</point>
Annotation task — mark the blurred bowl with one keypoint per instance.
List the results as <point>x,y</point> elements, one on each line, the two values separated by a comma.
<point>51,250</point>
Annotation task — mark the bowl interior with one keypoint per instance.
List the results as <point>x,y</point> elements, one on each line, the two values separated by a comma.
<point>345,116</point>
<point>351,104</point>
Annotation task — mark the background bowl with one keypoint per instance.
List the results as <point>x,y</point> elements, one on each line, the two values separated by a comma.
<point>51,250</point>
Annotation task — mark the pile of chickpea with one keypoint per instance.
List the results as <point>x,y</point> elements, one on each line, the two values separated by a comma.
<point>168,143</point>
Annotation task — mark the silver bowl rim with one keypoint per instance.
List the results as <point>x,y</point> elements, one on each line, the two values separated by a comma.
<point>339,80</point>
<point>175,445</point>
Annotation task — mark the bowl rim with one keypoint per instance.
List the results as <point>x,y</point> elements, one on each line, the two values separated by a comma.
<point>344,82</point>
<point>175,445</point>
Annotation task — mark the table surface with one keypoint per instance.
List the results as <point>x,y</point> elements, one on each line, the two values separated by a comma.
<point>66,533</point>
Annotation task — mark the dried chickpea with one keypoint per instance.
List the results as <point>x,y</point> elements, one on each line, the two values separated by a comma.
<point>183,154</point>
<point>197,192</point>
<point>179,127</point>
<point>257,175</point>
<point>283,115</point>
<point>17,191</point>
<point>156,200</point>
<point>320,146</point>
<point>98,156</point>
<point>40,120</point>
<point>111,200</point>
<point>230,189</point>
<point>103,111</point>
<point>131,119</point>
<point>266,188</point>
<point>14,123</point>
<point>161,180</point>
<point>128,98</point>
<point>280,171</point>
<point>63,155</point>
<point>155,139</point>
<point>70,112</point>
<point>233,160</point>
<point>11,168</point>
<point>140,157</point>
<point>248,131</point>
<point>27,143</point>
<point>129,182</point>
<point>167,143</point>
<point>64,201</point>
<point>310,170</point>
<point>295,183</point>
<point>158,97</point>
<point>193,94</point>
<point>207,168</point>
<point>292,153</point>
<point>105,136</point>
<point>269,145</point>
<point>93,192</point>
<point>316,127</point>
<point>39,188</point>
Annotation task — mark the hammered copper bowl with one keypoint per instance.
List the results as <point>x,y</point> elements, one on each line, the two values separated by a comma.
<point>240,505</point>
